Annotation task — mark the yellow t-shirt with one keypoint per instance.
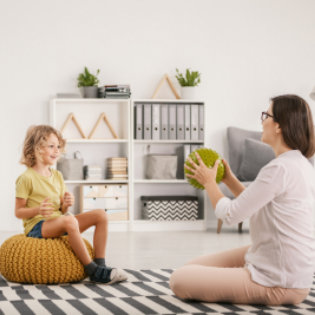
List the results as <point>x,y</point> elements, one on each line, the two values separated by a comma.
<point>35,188</point>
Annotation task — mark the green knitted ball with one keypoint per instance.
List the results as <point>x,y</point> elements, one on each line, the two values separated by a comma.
<point>208,157</point>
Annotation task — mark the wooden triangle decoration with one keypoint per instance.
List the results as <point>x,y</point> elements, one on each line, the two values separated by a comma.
<point>168,80</point>
<point>71,117</point>
<point>103,117</point>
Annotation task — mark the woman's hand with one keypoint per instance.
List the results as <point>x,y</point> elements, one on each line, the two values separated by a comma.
<point>201,172</point>
<point>68,200</point>
<point>228,174</point>
<point>46,208</point>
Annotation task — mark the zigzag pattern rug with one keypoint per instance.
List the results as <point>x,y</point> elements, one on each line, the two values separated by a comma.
<point>146,292</point>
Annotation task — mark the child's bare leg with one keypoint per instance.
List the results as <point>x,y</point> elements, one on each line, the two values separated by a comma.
<point>69,224</point>
<point>97,218</point>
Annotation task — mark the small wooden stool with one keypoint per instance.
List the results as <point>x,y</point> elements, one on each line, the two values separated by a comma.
<point>220,223</point>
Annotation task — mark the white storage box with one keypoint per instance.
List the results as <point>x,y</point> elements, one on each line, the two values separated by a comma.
<point>112,198</point>
<point>107,190</point>
<point>105,203</point>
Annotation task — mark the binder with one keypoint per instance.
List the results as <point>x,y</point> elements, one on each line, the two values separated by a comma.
<point>201,122</point>
<point>194,115</point>
<point>164,121</point>
<point>186,151</point>
<point>194,147</point>
<point>156,121</point>
<point>147,121</point>
<point>172,121</point>
<point>180,122</point>
<point>187,122</point>
<point>139,121</point>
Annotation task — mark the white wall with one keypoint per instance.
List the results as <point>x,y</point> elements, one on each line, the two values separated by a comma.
<point>246,50</point>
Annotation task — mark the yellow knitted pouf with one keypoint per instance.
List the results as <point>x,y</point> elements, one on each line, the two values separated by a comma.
<point>34,260</point>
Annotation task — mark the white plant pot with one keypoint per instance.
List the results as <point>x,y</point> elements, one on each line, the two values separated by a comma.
<point>188,92</point>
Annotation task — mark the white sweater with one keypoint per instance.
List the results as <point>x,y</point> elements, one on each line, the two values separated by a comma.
<point>280,204</point>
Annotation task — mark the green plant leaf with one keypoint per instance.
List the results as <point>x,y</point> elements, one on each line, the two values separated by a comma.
<point>190,79</point>
<point>88,79</point>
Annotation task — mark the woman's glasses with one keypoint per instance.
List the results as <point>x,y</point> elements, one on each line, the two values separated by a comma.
<point>265,115</point>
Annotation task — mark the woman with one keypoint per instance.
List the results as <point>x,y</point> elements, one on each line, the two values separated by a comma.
<point>278,266</point>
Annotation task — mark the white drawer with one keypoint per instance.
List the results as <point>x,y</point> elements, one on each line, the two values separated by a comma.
<point>105,190</point>
<point>104,203</point>
<point>116,215</point>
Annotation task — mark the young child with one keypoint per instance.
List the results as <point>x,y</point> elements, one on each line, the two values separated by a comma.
<point>43,202</point>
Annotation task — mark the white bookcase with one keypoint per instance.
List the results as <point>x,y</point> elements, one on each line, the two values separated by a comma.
<point>95,151</point>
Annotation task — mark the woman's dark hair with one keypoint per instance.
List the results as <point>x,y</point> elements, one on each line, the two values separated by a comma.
<point>294,117</point>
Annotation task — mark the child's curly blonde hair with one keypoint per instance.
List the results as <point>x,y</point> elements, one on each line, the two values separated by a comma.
<point>36,137</point>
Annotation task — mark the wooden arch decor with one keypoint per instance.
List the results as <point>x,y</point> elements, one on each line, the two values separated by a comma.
<point>71,117</point>
<point>103,117</point>
<point>168,80</point>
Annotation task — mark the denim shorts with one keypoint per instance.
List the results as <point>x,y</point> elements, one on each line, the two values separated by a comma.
<point>36,230</point>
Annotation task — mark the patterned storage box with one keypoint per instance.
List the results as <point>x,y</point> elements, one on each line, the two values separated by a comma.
<point>170,208</point>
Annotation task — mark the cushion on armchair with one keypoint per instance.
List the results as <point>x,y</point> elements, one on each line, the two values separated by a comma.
<point>236,137</point>
<point>256,155</point>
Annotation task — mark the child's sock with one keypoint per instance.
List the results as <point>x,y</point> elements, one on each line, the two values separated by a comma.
<point>100,261</point>
<point>90,268</point>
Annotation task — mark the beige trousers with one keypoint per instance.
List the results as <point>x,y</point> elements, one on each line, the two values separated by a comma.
<point>222,277</point>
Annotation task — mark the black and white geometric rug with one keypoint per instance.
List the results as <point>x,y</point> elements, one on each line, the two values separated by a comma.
<point>146,292</point>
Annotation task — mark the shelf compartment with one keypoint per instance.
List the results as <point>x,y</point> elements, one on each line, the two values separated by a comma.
<point>100,181</point>
<point>167,141</point>
<point>89,141</point>
<point>160,181</point>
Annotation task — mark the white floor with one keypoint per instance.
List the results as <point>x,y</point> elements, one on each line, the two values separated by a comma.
<point>153,250</point>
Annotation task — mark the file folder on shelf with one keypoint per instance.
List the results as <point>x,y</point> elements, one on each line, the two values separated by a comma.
<point>172,121</point>
<point>186,151</point>
<point>187,122</point>
<point>139,121</point>
<point>194,147</point>
<point>180,122</point>
<point>155,121</point>
<point>147,121</point>
<point>194,119</point>
<point>164,121</point>
<point>201,122</point>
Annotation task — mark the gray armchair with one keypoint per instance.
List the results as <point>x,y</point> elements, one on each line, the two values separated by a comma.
<point>247,155</point>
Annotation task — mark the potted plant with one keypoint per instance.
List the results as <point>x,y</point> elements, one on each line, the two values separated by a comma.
<point>87,82</point>
<point>188,83</point>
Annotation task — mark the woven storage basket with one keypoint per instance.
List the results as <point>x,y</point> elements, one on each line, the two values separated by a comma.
<point>34,260</point>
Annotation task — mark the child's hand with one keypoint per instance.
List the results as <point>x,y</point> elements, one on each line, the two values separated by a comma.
<point>46,208</point>
<point>68,200</point>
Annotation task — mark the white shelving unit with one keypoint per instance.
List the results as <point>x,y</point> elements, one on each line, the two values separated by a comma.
<point>102,145</point>
<point>120,113</point>
<point>141,186</point>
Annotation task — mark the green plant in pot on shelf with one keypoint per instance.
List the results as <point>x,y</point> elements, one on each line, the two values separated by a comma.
<point>87,82</point>
<point>188,82</point>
